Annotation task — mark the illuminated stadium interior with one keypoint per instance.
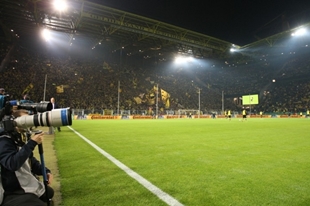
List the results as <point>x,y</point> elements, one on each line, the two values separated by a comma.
<point>136,49</point>
<point>150,113</point>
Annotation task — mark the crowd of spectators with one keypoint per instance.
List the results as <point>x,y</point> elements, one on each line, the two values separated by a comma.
<point>98,83</point>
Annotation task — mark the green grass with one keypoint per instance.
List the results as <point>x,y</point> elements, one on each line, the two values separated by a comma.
<point>196,161</point>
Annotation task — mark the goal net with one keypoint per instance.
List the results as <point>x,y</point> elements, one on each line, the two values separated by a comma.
<point>189,113</point>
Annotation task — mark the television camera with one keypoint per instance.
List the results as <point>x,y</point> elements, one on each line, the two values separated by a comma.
<point>43,115</point>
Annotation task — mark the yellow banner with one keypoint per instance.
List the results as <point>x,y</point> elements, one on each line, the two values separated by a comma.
<point>60,89</point>
<point>164,95</point>
<point>137,100</point>
<point>28,88</point>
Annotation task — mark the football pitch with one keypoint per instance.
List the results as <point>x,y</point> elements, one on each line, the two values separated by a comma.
<point>185,162</point>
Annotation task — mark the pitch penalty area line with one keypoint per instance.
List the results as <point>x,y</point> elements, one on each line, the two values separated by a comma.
<point>144,182</point>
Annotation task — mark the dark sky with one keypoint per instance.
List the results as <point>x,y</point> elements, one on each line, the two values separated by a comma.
<point>235,21</point>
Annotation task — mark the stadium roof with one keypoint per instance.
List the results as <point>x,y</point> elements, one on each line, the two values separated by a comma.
<point>97,24</point>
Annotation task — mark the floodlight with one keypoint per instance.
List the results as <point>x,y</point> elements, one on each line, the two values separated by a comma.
<point>179,60</point>
<point>234,48</point>
<point>46,34</point>
<point>183,59</point>
<point>60,5</point>
<point>299,32</point>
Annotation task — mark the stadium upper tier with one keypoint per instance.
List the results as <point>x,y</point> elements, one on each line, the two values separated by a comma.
<point>91,25</point>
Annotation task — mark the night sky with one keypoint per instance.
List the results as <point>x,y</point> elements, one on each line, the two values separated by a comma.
<point>235,21</point>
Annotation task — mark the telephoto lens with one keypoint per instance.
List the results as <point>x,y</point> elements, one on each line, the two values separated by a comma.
<point>54,118</point>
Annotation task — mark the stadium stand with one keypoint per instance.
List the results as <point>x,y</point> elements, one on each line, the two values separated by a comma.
<point>92,84</point>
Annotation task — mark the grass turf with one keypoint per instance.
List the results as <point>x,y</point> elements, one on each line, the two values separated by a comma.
<point>197,161</point>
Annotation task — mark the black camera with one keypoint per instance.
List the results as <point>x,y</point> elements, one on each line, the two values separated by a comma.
<point>34,107</point>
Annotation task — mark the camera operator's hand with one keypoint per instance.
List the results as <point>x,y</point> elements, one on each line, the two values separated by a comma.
<point>50,178</point>
<point>19,113</point>
<point>38,138</point>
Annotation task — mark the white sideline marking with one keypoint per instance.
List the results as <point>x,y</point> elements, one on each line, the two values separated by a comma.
<point>148,185</point>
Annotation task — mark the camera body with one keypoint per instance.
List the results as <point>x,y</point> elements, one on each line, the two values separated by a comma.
<point>31,106</point>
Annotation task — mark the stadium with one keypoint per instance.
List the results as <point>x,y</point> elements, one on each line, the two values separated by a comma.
<point>149,104</point>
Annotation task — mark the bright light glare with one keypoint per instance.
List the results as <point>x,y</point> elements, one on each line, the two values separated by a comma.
<point>232,50</point>
<point>60,5</point>
<point>46,34</point>
<point>300,32</point>
<point>181,59</point>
